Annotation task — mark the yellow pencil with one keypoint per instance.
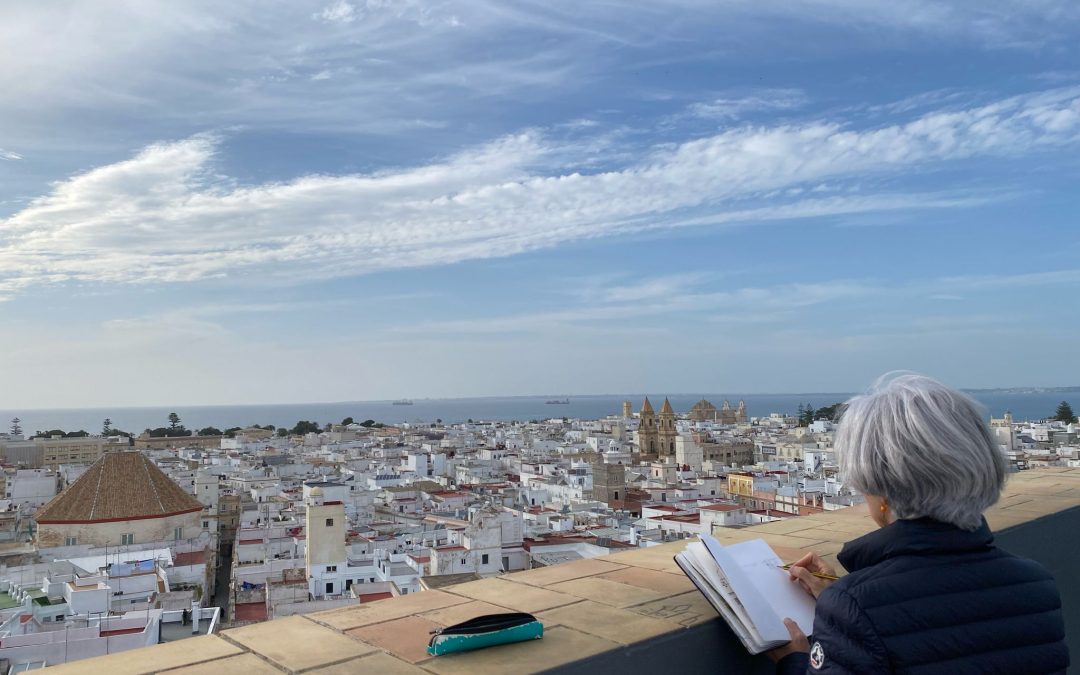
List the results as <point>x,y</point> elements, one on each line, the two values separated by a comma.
<point>819,575</point>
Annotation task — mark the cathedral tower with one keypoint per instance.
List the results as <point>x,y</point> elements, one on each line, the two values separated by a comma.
<point>647,439</point>
<point>666,430</point>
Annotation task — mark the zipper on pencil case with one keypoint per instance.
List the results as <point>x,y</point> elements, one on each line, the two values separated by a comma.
<point>486,624</point>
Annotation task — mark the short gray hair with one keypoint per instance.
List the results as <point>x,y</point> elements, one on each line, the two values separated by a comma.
<point>924,447</point>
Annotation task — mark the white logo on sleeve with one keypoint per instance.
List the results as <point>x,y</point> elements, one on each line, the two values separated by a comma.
<point>817,656</point>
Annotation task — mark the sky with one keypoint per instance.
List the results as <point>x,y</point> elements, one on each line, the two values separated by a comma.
<point>258,202</point>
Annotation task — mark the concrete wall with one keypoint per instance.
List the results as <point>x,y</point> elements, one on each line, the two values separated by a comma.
<point>102,534</point>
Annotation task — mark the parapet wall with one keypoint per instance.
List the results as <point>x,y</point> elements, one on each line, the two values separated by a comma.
<point>629,612</point>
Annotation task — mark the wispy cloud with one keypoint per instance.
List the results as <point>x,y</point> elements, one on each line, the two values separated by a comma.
<point>764,100</point>
<point>166,215</point>
<point>9,155</point>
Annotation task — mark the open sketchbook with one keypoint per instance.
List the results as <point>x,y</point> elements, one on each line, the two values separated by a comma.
<point>748,587</point>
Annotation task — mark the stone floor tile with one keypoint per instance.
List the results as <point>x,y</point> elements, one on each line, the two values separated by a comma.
<point>297,643</point>
<point>654,557</point>
<point>792,540</point>
<point>617,625</point>
<point>385,610</point>
<point>512,595</point>
<point>373,664</point>
<point>546,576</point>
<point>405,638</point>
<point>152,659</point>
<point>663,583</point>
<point>248,664</point>
<point>559,646</point>
<point>448,616</point>
<point>688,609</point>
<point>607,592</point>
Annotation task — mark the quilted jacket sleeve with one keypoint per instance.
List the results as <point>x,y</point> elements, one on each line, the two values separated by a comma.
<point>844,641</point>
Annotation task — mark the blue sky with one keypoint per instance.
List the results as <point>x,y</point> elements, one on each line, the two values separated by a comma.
<point>247,202</point>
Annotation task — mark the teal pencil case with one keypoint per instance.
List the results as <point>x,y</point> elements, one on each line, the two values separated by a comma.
<point>485,631</point>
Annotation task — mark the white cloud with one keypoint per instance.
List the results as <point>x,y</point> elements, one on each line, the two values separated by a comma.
<point>9,155</point>
<point>340,11</point>
<point>730,108</point>
<point>165,215</point>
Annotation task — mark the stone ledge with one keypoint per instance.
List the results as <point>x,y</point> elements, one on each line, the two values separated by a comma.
<point>589,607</point>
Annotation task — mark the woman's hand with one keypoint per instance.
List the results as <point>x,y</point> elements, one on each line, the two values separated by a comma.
<point>801,573</point>
<point>798,643</point>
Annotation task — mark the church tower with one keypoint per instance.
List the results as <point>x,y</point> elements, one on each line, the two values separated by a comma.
<point>647,439</point>
<point>666,430</point>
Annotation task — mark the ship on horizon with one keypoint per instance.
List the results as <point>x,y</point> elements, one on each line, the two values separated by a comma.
<point>402,401</point>
<point>556,401</point>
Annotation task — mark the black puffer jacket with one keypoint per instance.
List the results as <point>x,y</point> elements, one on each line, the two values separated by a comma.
<point>926,597</point>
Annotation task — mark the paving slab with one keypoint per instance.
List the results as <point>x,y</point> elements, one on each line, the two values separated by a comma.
<point>297,643</point>
<point>607,592</point>
<point>512,595</point>
<point>617,625</point>
<point>405,638</point>
<point>385,610</point>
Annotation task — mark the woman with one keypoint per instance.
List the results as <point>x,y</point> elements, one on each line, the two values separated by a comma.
<point>928,592</point>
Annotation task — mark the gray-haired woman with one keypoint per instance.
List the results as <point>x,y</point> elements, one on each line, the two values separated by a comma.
<point>928,592</point>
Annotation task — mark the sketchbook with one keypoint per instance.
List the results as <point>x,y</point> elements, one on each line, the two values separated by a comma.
<point>748,587</point>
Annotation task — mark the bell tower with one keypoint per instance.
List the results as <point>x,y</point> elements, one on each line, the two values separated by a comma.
<point>648,439</point>
<point>666,430</point>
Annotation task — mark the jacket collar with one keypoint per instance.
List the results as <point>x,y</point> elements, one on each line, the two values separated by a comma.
<point>912,537</point>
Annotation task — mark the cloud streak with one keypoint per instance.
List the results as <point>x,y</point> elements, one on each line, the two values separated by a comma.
<point>166,215</point>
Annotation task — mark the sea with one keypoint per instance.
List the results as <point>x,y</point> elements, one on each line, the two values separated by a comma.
<point>1024,405</point>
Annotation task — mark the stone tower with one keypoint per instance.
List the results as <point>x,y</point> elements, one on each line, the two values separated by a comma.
<point>740,415</point>
<point>609,484</point>
<point>666,430</point>
<point>627,412</point>
<point>647,438</point>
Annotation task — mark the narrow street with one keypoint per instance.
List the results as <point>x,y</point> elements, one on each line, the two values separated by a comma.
<point>221,587</point>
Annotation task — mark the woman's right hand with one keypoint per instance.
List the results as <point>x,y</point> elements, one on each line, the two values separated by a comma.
<point>801,569</point>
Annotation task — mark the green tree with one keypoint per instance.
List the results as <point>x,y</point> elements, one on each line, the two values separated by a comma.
<point>174,420</point>
<point>305,427</point>
<point>347,421</point>
<point>210,431</point>
<point>106,427</point>
<point>16,427</point>
<point>1064,413</point>
<point>438,421</point>
<point>282,432</point>
<point>230,432</point>
<point>367,424</point>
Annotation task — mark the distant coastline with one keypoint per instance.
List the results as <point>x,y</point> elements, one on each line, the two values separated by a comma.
<point>1025,403</point>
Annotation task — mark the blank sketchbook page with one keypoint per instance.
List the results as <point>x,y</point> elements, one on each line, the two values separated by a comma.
<point>766,591</point>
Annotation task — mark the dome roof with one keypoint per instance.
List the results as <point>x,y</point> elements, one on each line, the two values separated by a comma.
<point>118,486</point>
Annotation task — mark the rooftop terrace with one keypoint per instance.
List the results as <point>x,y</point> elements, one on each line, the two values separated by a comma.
<point>630,612</point>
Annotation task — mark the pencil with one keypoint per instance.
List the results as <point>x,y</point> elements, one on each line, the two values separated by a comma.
<point>819,575</point>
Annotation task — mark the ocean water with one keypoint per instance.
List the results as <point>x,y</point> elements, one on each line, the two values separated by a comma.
<point>1024,405</point>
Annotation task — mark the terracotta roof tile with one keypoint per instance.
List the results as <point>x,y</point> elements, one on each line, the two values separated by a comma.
<point>118,486</point>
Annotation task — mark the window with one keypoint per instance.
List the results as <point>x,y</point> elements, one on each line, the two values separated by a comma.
<point>329,522</point>
<point>178,532</point>
<point>205,524</point>
<point>71,541</point>
<point>484,559</point>
<point>127,539</point>
<point>616,494</point>
<point>331,568</point>
<point>463,561</point>
<point>371,580</point>
<point>330,587</point>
